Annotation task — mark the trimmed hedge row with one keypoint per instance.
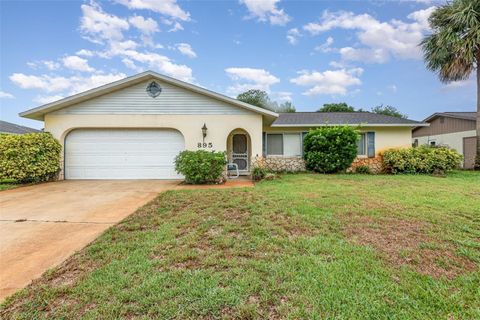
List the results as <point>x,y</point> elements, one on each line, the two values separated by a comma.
<point>31,157</point>
<point>421,159</point>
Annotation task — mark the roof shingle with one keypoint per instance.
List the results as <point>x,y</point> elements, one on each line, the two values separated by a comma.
<point>340,118</point>
<point>8,127</point>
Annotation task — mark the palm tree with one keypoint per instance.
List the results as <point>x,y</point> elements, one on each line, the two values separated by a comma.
<point>453,48</point>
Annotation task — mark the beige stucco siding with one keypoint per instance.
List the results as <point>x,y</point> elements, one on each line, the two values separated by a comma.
<point>219,126</point>
<point>385,137</point>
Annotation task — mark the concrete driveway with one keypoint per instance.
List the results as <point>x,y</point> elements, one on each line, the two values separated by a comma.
<point>42,225</point>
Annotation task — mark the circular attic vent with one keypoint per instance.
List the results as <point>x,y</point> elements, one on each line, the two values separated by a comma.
<point>154,89</point>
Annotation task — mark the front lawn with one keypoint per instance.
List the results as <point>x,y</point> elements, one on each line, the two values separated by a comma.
<point>304,246</point>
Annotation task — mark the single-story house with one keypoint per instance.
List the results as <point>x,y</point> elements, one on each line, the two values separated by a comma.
<point>456,130</point>
<point>133,128</point>
<point>12,128</point>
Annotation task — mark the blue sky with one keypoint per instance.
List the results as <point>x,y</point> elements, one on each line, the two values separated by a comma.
<point>310,52</point>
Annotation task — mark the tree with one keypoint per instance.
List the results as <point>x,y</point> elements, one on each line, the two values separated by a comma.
<point>256,97</point>
<point>388,111</point>
<point>261,99</point>
<point>453,48</point>
<point>336,107</point>
<point>285,107</point>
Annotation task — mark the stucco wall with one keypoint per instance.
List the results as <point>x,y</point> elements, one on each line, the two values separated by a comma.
<point>385,137</point>
<point>219,126</point>
<point>452,140</point>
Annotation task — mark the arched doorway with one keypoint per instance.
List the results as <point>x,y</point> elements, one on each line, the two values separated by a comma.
<point>239,150</point>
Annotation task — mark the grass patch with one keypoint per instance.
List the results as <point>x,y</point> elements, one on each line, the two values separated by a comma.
<point>303,246</point>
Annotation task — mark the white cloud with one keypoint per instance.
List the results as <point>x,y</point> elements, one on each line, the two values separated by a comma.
<point>98,26</point>
<point>49,64</point>
<point>85,53</point>
<point>186,50</point>
<point>293,35</point>
<point>77,63</point>
<point>282,96</point>
<point>47,99</point>
<point>6,95</point>
<point>380,40</point>
<point>459,84</point>
<point>177,26</point>
<point>72,84</point>
<point>326,46</point>
<point>146,26</point>
<point>328,82</point>
<point>266,10</point>
<point>393,88</point>
<point>250,78</point>
<point>166,7</point>
<point>161,63</point>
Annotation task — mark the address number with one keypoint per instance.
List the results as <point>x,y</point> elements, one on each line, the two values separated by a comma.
<point>205,145</point>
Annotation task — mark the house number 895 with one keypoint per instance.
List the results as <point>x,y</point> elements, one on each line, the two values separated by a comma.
<point>205,145</point>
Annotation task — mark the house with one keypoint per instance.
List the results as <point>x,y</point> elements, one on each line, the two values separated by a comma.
<point>12,128</point>
<point>133,128</point>
<point>456,130</point>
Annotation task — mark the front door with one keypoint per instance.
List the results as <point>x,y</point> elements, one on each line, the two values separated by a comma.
<point>240,151</point>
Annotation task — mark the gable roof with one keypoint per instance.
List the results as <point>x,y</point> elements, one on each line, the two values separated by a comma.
<point>8,127</point>
<point>39,112</point>
<point>457,115</point>
<point>314,119</point>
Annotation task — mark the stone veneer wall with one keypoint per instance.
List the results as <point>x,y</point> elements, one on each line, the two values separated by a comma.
<point>375,164</point>
<point>296,164</point>
<point>280,164</point>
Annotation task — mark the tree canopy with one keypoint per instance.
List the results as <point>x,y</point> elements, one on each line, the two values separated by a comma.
<point>388,111</point>
<point>336,107</point>
<point>261,99</point>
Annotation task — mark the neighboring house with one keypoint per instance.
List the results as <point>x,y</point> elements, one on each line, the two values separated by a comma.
<point>456,130</point>
<point>12,128</point>
<point>133,128</point>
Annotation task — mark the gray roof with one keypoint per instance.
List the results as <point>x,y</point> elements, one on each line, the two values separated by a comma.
<point>7,127</point>
<point>458,115</point>
<point>307,119</point>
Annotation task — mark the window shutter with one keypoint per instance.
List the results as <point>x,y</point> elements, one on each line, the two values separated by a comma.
<point>264,143</point>
<point>371,144</point>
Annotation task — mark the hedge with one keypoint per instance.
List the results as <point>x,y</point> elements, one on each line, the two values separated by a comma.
<point>330,149</point>
<point>201,166</point>
<point>31,157</point>
<point>423,159</point>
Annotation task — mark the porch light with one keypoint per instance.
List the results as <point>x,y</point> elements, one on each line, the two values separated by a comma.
<point>204,131</point>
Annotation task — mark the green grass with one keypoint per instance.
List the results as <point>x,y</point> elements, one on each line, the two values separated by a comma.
<point>8,184</point>
<point>304,246</point>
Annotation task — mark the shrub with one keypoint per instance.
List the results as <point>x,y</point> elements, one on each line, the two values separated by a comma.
<point>363,170</point>
<point>423,159</point>
<point>200,166</point>
<point>31,157</point>
<point>258,173</point>
<point>330,149</point>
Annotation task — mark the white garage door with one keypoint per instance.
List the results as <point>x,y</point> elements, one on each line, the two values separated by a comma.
<point>122,153</point>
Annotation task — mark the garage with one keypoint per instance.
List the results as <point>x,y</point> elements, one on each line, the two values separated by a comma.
<point>122,153</point>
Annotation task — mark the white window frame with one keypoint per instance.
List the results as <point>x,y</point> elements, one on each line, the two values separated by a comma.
<point>365,146</point>
<point>283,133</point>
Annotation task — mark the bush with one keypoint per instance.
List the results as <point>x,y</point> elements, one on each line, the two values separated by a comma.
<point>330,149</point>
<point>422,159</point>
<point>31,157</point>
<point>200,166</point>
<point>258,173</point>
<point>363,170</point>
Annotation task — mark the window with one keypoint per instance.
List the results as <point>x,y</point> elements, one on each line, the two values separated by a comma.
<point>415,143</point>
<point>275,144</point>
<point>362,145</point>
<point>432,143</point>
<point>292,144</point>
<point>284,144</point>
